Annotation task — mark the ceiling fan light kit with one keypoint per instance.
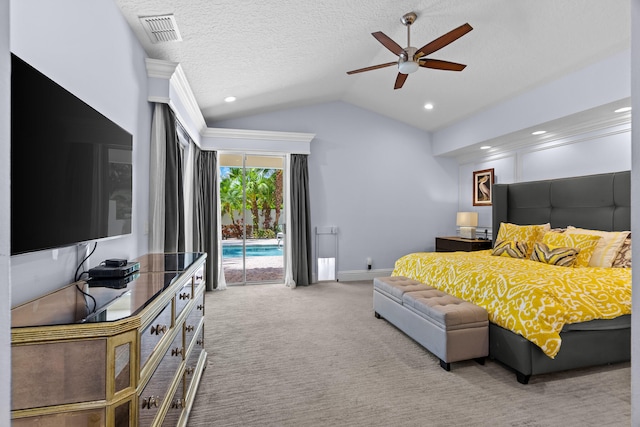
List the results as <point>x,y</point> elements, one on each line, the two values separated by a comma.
<point>410,58</point>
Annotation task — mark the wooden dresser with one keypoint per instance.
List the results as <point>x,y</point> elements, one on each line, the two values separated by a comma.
<point>134,357</point>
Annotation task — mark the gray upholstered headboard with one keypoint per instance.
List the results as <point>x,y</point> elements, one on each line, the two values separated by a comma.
<point>598,202</point>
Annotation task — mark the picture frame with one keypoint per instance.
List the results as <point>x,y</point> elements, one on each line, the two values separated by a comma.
<point>483,187</point>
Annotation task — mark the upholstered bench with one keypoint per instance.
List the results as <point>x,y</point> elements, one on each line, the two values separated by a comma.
<point>450,328</point>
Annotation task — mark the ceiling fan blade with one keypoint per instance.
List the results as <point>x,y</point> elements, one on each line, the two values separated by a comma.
<point>387,42</point>
<point>373,67</point>
<point>441,65</point>
<point>444,40</point>
<point>400,80</point>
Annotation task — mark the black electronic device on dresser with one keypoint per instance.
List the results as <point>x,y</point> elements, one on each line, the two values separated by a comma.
<point>454,244</point>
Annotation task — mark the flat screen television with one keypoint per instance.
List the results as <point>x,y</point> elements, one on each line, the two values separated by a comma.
<point>71,167</point>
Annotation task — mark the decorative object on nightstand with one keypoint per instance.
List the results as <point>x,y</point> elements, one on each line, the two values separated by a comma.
<point>454,244</point>
<point>467,221</point>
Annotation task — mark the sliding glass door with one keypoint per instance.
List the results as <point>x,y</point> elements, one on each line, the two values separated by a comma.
<point>252,205</point>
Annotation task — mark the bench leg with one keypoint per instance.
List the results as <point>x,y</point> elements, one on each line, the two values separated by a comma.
<point>444,365</point>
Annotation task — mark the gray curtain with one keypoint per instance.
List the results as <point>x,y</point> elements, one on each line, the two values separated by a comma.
<point>300,227</point>
<point>205,219</point>
<point>174,198</point>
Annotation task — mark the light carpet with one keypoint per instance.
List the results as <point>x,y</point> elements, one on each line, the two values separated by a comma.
<point>317,356</point>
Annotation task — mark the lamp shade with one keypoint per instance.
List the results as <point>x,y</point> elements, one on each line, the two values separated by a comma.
<point>467,219</point>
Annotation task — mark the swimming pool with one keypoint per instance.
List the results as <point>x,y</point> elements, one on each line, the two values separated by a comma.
<point>235,251</point>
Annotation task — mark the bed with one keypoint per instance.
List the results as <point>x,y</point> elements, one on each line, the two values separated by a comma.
<point>579,316</point>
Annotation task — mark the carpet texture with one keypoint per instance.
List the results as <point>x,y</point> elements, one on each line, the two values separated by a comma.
<point>316,356</point>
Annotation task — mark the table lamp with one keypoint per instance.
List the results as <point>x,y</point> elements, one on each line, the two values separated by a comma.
<point>467,221</point>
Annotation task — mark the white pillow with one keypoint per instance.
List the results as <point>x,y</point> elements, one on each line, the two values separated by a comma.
<point>607,248</point>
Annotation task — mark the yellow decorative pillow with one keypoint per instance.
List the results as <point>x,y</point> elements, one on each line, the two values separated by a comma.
<point>585,242</point>
<point>607,248</point>
<point>562,257</point>
<point>528,234</point>
<point>510,248</point>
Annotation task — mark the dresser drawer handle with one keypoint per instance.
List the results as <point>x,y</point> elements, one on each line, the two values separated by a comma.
<point>189,328</point>
<point>158,329</point>
<point>178,403</point>
<point>200,342</point>
<point>200,307</point>
<point>199,277</point>
<point>147,403</point>
<point>190,370</point>
<point>176,351</point>
<point>185,295</point>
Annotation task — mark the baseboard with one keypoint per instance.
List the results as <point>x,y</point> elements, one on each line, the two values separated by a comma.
<point>353,275</point>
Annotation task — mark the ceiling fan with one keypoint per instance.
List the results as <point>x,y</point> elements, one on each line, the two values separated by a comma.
<point>410,58</point>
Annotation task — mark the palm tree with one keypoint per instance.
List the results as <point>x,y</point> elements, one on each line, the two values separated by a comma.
<point>267,195</point>
<point>278,193</point>
<point>231,192</point>
<point>255,187</point>
<point>263,192</point>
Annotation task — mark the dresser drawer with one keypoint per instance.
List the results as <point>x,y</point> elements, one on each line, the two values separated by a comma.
<point>155,392</point>
<point>194,356</point>
<point>176,407</point>
<point>193,320</point>
<point>151,336</point>
<point>198,277</point>
<point>183,296</point>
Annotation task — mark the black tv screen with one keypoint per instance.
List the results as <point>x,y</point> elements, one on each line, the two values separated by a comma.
<point>71,167</point>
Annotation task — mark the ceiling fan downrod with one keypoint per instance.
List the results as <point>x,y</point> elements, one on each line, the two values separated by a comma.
<point>408,19</point>
<point>407,63</point>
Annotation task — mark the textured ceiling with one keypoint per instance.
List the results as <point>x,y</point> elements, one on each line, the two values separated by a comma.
<point>275,55</point>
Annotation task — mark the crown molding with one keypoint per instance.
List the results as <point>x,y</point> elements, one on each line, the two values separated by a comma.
<point>172,72</point>
<point>262,135</point>
<point>160,69</point>
<point>523,140</point>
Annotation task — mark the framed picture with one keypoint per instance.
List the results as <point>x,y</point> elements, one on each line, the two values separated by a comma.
<point>482,187</point>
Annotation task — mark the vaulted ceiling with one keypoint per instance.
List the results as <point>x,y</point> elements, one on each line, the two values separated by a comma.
<point>275,55</point>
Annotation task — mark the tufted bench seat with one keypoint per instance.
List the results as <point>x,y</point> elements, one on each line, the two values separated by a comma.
<point>394,287</point>
<point>450,328</point>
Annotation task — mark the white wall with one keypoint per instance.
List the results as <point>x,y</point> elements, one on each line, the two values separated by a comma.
<point>598,84</point>
<point>88,48</point>
<point>635,209</point>
<point>602,151</point>
<point>372,177</point>
<point>5,165</point>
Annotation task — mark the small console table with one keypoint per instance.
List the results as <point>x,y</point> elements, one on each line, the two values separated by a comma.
<point>132,358</point>
<point>453,244</point>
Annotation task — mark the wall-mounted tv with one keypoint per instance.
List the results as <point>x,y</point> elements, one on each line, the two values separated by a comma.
<point>71,167</point>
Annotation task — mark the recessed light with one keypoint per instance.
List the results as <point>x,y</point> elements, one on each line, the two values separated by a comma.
<point>428,106</point>
<point>485,147</point>
<point>230,99</point>
<point>538,132</point>
<point>622,110</point>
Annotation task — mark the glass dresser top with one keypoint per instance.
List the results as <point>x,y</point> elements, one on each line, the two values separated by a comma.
<point>105,300</point>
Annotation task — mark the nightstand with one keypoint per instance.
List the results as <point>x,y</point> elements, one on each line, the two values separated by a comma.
<point>453,244</point>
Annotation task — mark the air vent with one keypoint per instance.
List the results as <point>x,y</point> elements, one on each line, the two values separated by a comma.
<point>161,28</point>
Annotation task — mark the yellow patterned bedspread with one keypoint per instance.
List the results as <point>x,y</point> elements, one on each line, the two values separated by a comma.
<point>530,298</point>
